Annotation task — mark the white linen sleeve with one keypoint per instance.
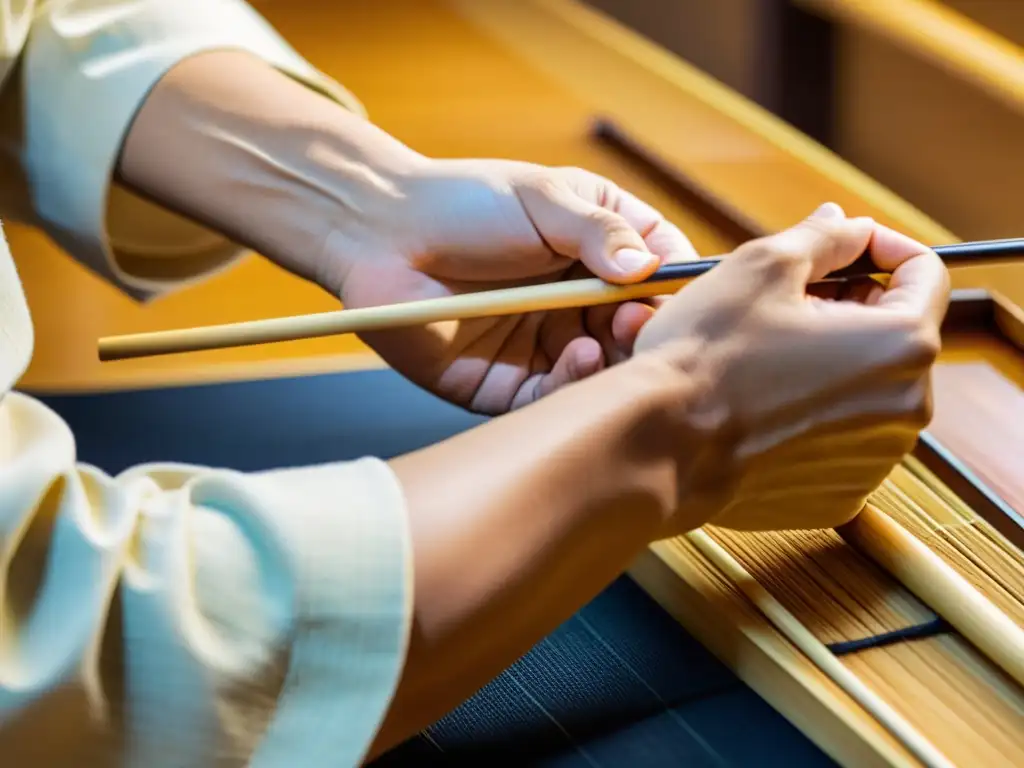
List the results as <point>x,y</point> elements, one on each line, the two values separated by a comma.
<point>185,616</point>
<point>85,71</point>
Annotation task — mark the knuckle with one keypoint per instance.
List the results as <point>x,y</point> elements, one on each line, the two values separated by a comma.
<point>921,407</point>
<point>541,181</point>
<point>922,346</point>
<point>773,258</point>
<point>823,227</point>
<point>610,223</point>
<point>588,184</point>
<point>928,345</point>
<point>915,341</point>
<point>826,238</point>
<point>923,414</point>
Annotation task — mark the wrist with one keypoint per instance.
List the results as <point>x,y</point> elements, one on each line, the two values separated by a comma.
<point>232,143</point>
<point>330,184</point>
<point>678,430</point>
<point>518,523</point>
<point>620,437</point>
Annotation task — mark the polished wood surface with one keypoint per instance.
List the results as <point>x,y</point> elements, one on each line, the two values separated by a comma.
<point>508,78</point>
<point>979,406</point>
<point>924,95</point>
<point>980,417</point>
<point>850,587</point>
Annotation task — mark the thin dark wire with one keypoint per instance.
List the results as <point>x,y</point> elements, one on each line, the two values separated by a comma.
<point>936,626</point>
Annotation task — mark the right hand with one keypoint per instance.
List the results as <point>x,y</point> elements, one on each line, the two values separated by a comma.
<point>805,404</point>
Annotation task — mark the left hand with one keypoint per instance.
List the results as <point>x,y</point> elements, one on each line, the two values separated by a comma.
<point>234,143</point>
<point>456,226</point>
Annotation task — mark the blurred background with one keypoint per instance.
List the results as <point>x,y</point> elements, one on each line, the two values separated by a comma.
<point>926,97</point>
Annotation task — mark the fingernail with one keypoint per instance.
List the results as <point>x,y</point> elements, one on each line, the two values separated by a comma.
<point>828,211</point>
<point>632,260</point>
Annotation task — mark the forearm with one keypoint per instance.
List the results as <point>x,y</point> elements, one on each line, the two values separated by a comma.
<point>228,141</point>
<point>519,523</point>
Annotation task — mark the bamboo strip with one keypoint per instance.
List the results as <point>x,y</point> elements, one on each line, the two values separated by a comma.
<point>814,588</point>
<point>925,574</point>
<point>816,651</point>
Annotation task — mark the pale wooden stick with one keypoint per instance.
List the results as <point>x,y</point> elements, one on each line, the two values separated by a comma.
<point>939,587</point>
<point>818,653</point>
<point>506,301</point>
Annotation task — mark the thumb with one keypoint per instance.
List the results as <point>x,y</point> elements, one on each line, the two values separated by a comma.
<point>602,240</point>
<point>820,244</point>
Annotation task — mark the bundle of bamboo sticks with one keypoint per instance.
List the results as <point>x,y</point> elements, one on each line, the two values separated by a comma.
<point>938,675</point>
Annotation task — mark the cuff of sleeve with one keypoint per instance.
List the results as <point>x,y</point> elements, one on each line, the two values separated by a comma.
<point>87,75</point>
<point>356,613</point>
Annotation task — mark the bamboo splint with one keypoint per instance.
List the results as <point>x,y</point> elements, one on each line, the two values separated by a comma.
<point>811,621</point>
<point>819,654</point>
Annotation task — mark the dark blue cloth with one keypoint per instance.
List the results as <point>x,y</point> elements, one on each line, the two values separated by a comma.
<point>619,684</point>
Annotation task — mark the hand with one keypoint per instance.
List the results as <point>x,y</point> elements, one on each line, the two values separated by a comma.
<point>476,225</point>
<point>231,142</point>
<point>807,403</point>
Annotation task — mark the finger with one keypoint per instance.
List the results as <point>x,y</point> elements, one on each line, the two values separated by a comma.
<point>875,292</point>
<point>580,359</point>
<point>833,240</point>
<point>919,286</point>
<point>889,248</point>
<point>576,228</point>
<point>627,323</point>
<point>820,244</point>
<point>559,329</point>
<point>919,282</point>
<point>512,350</point>
<point>664,239</point>
<point>614,329</point>
<point>598,322</point>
